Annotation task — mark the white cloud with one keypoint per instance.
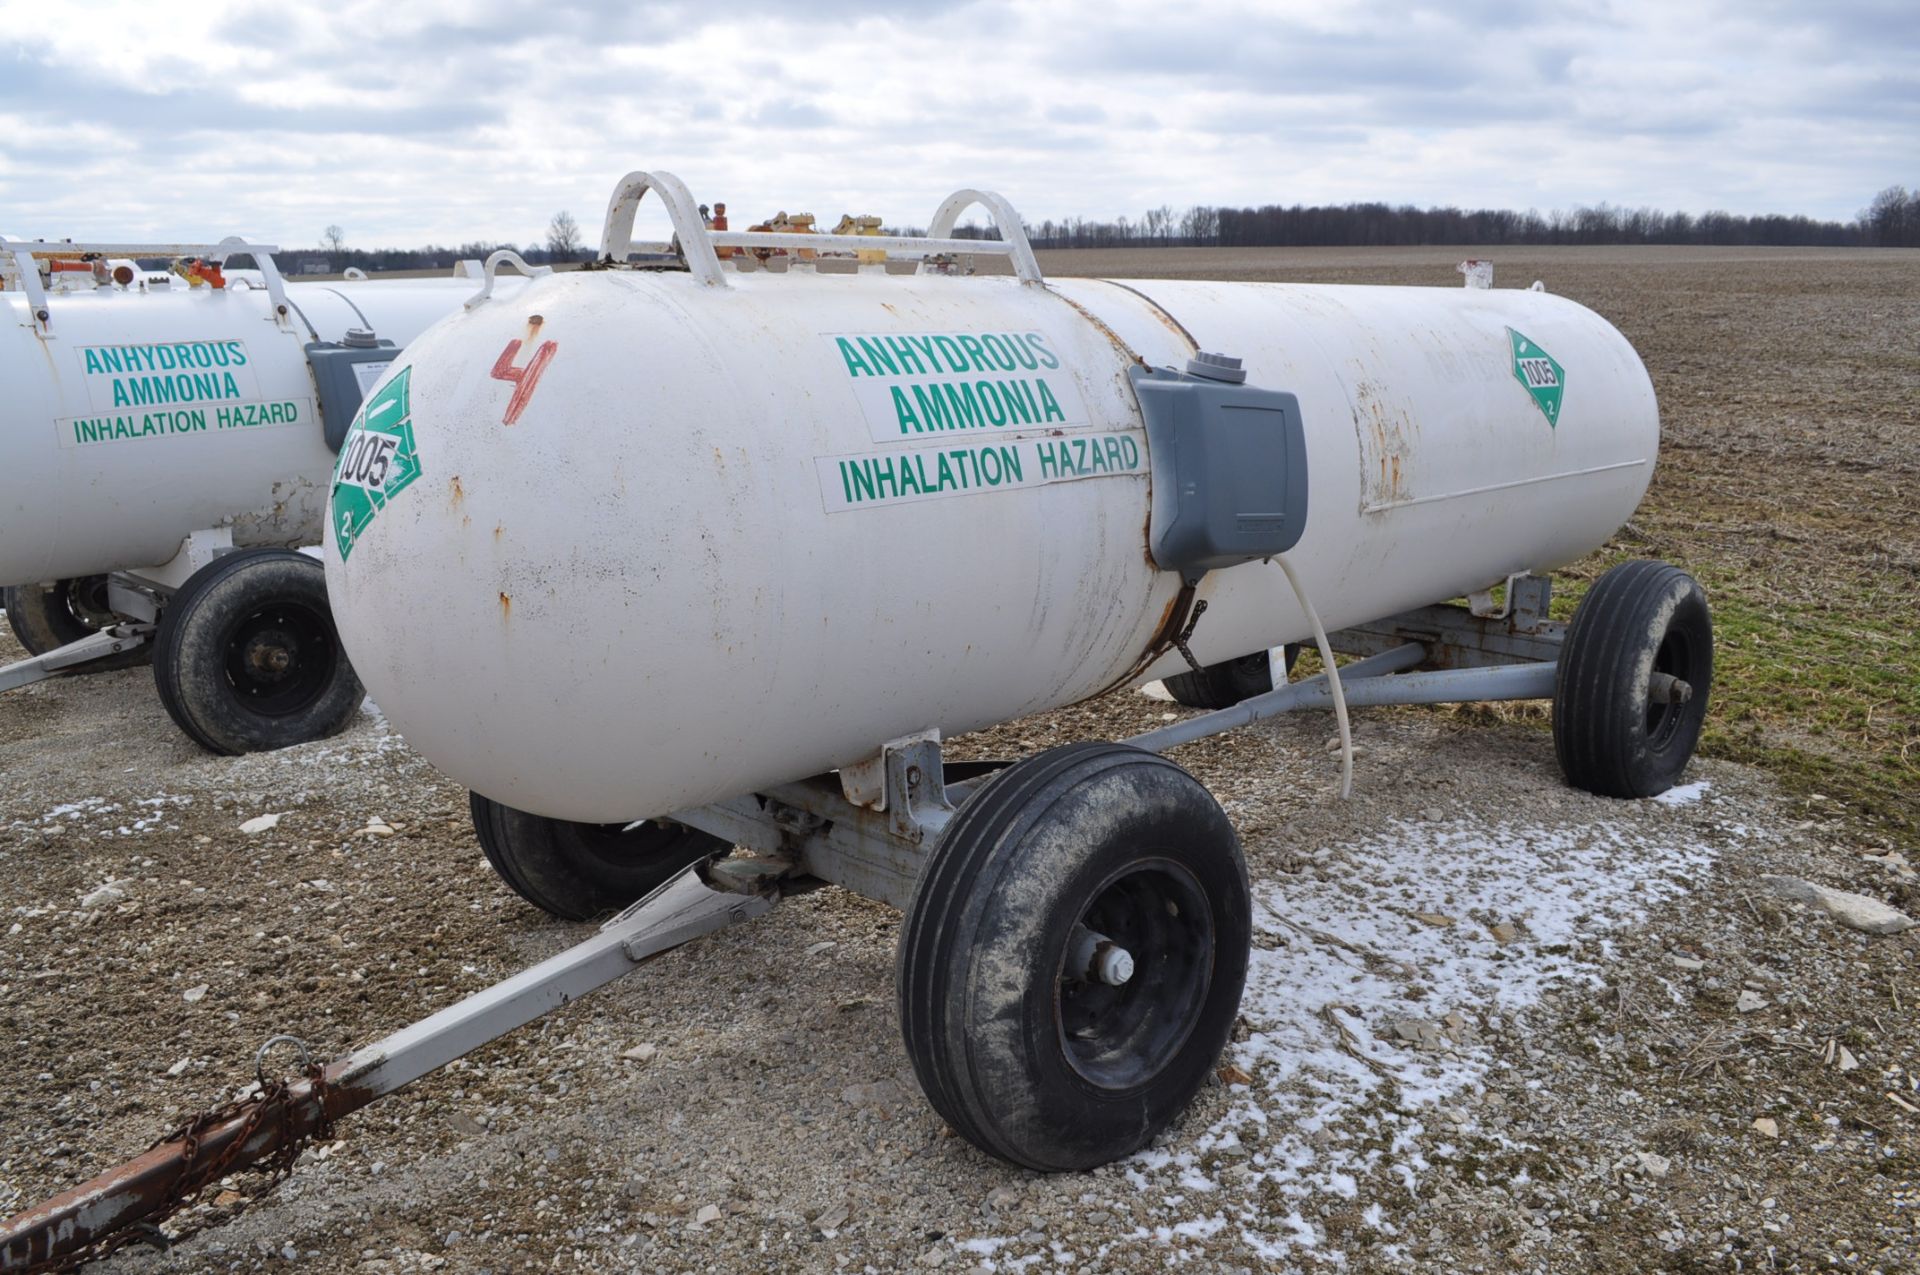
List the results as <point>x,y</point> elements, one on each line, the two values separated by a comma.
<point>416,122</point>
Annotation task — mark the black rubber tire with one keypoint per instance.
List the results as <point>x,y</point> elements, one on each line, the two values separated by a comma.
<point>233,613</point>
<point>1225,684</point>
<point>1051,1072</point>
<point>48,616</point>
<point>577,871</point>
<point>1641,617</point>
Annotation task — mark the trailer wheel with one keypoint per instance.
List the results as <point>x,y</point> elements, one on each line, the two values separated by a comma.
<point>48,616</point>
<point>1072,959</point>
<point>247,658</point>
<point>1225,684</point>
<point>1635,670</point>
<point>577,871</point>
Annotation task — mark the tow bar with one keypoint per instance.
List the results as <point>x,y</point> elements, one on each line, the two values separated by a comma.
<point>96,1217</point>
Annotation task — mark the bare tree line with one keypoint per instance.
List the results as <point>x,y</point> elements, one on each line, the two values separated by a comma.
<point>1892,220</point>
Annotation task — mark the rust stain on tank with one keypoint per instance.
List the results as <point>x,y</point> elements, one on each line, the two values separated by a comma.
<point>498,527</point>
<point>455,492</point>
<point>1387,436</point>
<point>506,606</point>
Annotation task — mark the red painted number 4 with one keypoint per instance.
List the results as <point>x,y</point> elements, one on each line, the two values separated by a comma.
<point>524,379</point>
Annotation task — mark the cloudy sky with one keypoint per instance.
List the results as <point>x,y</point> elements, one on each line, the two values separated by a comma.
<point>408,123</point>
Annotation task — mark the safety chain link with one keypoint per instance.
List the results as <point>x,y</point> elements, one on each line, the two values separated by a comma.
<point>271,1099</point>
<point>1180,642</point>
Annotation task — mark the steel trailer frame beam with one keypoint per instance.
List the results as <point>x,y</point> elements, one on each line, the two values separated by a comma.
<point>95,646</point>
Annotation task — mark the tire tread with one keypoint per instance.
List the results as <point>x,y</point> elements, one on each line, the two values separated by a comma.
<point>1596,730</point>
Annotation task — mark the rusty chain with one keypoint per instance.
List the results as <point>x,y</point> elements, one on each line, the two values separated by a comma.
<point>271,1098</point>
<point>1180,642</point>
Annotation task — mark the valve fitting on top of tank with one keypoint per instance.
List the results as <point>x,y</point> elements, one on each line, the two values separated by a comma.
<point>1216,367</point>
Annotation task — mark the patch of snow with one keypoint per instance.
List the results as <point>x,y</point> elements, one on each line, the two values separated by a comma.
<point>1684,794</point>
<point>1363,1019</point>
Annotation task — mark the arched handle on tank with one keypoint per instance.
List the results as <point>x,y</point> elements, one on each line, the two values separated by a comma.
<point>696,246</point>
<point>504,257</point>
<point>269,275</point>
<point>1004,217</point>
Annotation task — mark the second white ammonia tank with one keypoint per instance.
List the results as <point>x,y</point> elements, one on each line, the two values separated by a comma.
<point>735,536</point>
<point>132,419</point>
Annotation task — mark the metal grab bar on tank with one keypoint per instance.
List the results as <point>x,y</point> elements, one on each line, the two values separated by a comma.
<point>698,243</point>
<point>503,257</point>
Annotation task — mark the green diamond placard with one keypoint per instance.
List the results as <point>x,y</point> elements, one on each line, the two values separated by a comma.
<point>377,460</point>
<point>1541,375</point>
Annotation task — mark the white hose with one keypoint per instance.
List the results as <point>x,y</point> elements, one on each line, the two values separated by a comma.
<point>1333,677</point>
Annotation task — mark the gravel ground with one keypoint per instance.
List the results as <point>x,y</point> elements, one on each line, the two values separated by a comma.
<point>1492,1024</point>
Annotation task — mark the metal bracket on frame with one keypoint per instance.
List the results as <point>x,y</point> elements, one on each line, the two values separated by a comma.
<point>197,549</point>
<point>1477,635</point>
<point>1519,598</point>
<point>868,831</point>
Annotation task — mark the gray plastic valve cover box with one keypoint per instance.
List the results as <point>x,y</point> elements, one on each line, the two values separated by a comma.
<point>342,374</point>
<point>1229,466</point>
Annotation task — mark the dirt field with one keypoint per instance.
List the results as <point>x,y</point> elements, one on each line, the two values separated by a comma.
<point>1492,1024</point>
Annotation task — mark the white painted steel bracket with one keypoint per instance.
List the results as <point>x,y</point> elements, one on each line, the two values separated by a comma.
<point>1481,603</point>
<point>865,782</point>
<point>197,549</point>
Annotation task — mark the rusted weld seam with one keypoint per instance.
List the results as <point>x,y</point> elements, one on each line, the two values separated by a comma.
<point>1176,620</point>
<point>1162,641</point>
<point>1100,323</point>
<point>1536,479</point>
<point>1166,316</point>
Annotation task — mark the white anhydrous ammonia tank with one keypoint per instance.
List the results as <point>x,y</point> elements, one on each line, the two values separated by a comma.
<point>141,417</point>
<point>666,543</point>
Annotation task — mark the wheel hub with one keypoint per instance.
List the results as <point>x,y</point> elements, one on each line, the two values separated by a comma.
<point>1134,976</point>
<point>270,655</point>
<point>86,602</point>
<point>279,658</point>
